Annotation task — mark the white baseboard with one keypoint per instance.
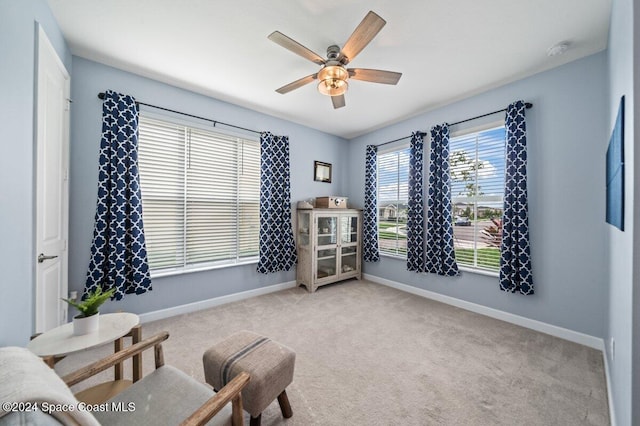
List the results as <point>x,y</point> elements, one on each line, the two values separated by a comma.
<point>209,303</point>
<point>563,333</point>
<point>607,373</point>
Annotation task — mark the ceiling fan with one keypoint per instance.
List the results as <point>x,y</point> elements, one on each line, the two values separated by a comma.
<point>333,75</point>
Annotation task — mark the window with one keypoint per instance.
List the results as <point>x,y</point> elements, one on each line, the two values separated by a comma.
<point>200,196</point>
<point>477,162</point>
<point>393,199</point>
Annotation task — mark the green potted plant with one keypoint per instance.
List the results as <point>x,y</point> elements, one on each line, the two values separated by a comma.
<point>88,319</point>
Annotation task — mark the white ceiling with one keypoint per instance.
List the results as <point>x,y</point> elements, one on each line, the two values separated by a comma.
<point>446,49</point>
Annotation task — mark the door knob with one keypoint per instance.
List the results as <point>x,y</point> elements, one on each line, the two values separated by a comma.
<point>42,257</point>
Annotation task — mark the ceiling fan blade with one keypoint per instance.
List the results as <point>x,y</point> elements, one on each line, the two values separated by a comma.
<point>374,76</point>
<point>338,101</point>
<point>362,35</point>
<point>292,45</point>
<point>297,84</point>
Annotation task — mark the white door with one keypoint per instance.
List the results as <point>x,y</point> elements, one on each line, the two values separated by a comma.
<point>52,187</point>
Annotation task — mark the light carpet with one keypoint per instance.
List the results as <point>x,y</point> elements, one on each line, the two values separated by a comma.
<point>373,355</point>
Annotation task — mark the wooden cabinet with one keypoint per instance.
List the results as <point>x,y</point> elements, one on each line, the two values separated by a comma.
<point>329,246</point>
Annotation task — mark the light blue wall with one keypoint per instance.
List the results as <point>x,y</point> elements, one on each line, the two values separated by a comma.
<point>306,145</point>
<point>18,40</point>
<point>581,283</point>
<point>620,324</point>
<point>566,130</point>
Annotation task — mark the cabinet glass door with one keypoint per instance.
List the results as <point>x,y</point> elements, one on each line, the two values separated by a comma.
<point>349,229</point>
<point>326,246</point>
<point>348,244</point>
<point>327,230</point>
<point>326,265</point>
<point>348,259</point>
<point>303,228</point>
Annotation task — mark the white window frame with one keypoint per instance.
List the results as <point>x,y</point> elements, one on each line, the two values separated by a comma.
<point>203,266</point>
<point>387,150</point>
<point>464,132</point>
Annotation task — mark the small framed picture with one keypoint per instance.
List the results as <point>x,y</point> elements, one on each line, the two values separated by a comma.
<point>322,171</point>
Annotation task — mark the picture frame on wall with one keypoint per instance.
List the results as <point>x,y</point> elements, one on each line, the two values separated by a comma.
<point>615,172</point>
<point>322,171</point>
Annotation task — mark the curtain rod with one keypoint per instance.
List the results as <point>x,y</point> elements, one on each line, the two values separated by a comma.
<point>400,139</point>
<point>527,105</point>
<point>215,122</point>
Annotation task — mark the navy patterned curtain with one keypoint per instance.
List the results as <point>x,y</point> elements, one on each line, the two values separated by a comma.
<point>371,251</point>
<point>118,251</point>
<point>440,256</point>
<point>515,257</point>
<point>415,215</point>
<point>277,248</point>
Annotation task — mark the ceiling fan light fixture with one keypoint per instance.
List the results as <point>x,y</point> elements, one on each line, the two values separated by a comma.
<point>333,71</point>
<point>333,80</point>
<point>333,87</point>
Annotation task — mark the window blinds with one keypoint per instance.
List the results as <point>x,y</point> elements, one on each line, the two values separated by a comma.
<point>200,195</point>
<point>393,199</point>
<point>477,167</point>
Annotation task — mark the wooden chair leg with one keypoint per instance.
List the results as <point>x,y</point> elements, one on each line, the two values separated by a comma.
<point>118,369</point>
<point>236,413</point>
<point>285,407</point>
<point>136,337</point>
<point>255,421</point>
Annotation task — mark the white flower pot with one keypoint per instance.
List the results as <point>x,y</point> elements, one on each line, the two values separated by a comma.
<point>85,325</point>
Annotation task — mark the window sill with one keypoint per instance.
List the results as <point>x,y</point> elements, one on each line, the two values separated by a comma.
<point>201,268</point>
<point>461,268</point>
<point>479,271</point>
<point>393,256</point>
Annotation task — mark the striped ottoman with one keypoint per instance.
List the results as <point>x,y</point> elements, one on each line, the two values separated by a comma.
<point>269,364</point>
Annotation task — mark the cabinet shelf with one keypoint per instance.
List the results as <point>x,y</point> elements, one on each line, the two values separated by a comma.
<point>326,257</point>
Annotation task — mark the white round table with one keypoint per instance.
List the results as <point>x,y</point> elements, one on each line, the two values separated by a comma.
<point>61,341</point>
<point>54,344</point>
